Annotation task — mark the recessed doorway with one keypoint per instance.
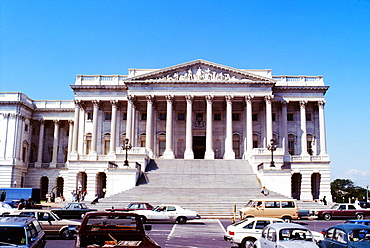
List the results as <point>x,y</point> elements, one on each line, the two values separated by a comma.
<point>199,146</point>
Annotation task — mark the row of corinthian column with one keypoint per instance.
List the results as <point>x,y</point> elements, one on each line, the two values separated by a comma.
<point>209,152</point>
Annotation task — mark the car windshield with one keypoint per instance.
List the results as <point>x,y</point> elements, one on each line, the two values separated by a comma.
<point>359,235</point>
<point>249,204</point>
<point>295,234</point>
<point>112,223</point>
<point>12,236</point>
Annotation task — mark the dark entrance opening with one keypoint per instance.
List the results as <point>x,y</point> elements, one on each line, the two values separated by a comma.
<point>199,146</point>
<point>296,186</point>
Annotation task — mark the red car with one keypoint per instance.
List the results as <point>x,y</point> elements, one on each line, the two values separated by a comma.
<point>341,211</point>
<point>132,206</point>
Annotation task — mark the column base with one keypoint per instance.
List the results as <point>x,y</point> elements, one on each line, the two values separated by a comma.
<point>189,154</point>
<point>74,156</point>
<point>38,164</point>
<point>92,156</point>
<point>210,154</point>
<point>168,154</point>
<point>229,155</point>
<point>53,165</point>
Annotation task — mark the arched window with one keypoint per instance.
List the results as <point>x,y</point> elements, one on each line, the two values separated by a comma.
<point>236,144</point>
<point>256,140</point>
<point>142,140</point>
<point>88,143</point>
<point>161,143</point>
<point>310,143</point>
<point>106,143</point>
<point>291,144</point>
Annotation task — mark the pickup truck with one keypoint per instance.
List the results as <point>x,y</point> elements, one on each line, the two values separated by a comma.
<point>113,229</point>
<point>341,211</point>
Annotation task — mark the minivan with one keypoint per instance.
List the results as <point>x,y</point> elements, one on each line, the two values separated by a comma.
<point>286,209</point>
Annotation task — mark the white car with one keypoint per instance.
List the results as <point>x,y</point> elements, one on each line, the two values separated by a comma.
<point>247,231</point>
<point>167,213</point>
<point>5,208</point>
<point>285,235</point>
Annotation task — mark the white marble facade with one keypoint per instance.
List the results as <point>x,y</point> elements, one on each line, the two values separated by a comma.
<point>195,110</point>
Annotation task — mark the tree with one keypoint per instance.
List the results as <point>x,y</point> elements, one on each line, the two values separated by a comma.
<point>344,190</point>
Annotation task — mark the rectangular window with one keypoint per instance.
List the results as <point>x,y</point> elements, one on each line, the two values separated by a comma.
<point>236,148</point>
<point>236,117</point>
<point>108,116</point>
<point>88,146</point>
<point>124,116</point>
<point>162,116</point>
<point>273,116</point>
<point>106,146</point>
<point>89,116</point>
<point>181,116</point>
<point>290,117</point>
<point>143,116</point>
<point>26,128</point>
<point>254,117</point>
<point>287,204</point>
<point>308,117</point>
<point>217,116</point>
<point>162,147</point>
<point>272,204</point>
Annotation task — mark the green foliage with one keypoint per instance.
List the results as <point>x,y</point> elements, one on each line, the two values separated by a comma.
<point>343,190</point>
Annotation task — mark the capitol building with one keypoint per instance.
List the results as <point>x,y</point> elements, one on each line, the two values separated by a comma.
<point>191,111</point>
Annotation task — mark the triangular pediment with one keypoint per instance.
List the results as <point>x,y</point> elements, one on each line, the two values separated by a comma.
<point>200,70</point>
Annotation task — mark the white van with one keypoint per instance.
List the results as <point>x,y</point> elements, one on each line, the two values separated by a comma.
<point>286,209</point>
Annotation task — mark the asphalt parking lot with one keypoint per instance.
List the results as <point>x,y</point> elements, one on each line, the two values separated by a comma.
<point>203,233</point>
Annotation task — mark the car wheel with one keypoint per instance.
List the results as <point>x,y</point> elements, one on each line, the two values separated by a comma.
<point>327,216</point>
<point>66,234</point>
<point>247,243</point>
<point>287,219</point>
<point>181,220</point>
<point>360,216</point>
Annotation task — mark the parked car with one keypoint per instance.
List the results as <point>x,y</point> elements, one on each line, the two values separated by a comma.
<point>363,222</point>
<point>346,235</point>
<point>168,213</point>
<point>132,206</point>
<point>285,209</point>
<point>6,208</point>
<point>284,235</point>
<point>113,229</point>
<point>74,210</point>
<point>341,211</point>
<point>21,232</point>
<point>51,223</point>
<point>244,233</point>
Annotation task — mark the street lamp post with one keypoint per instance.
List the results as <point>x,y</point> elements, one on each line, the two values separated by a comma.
<point>272,148</point>
<point>126,146</point>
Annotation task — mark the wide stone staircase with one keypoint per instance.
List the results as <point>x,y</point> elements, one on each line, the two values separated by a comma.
<point>211,187</point>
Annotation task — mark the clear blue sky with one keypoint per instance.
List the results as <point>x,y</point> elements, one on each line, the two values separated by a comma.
<point>45,44</point>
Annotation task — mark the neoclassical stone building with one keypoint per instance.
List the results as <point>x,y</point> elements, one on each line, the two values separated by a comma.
<point>195,110</point>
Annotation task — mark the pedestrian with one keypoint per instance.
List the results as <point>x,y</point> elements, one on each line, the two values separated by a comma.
<point>324,200</point>
<point>21,204</point>
<point>357,201</point>
<point>29,203</point>
<point>74,196</point>
<point>84,193</point>
<point>96,199</point>
<point>264,191</point>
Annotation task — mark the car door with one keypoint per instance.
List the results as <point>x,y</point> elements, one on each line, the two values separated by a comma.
<point>48,223</point>
<point>172,213</point>
<point>159,214</point>
<point>270,241</point>
<point>340,239</point>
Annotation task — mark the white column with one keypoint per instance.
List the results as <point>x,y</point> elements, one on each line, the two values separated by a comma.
<point>75,130</point>
<point>54,159</point>
<point>302,105</point>
<point>20,137</point>
<point>284,119</point>
<point>189,154</point>
<point>249,125</point>
<point>322,128</point>
<point>209,154</point>
<point>229,152</point>
<point>41,144</point>
<point>70,137</point>
<point>129,118</point>
<point>269,135</point>
<point>113,125</point>
<point>168,153</point>
<point>94,128</point>
<point>149,125</point>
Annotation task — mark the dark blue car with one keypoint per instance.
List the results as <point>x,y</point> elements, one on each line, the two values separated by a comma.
<point>363,222</point>
<point>346,235</point>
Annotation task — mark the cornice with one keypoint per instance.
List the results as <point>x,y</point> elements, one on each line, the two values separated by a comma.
<point>99,87</point>
<point>269,83</point>
<point>18,104</point>
<point>322,89</point>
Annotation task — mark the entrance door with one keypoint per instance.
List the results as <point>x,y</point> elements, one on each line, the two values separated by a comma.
<point>199,146</point>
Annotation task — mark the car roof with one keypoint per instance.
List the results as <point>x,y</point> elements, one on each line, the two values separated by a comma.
<point>32,210</point>
<point>15,221</point>
<point>358,221</point>
<point>111,214</point>
<point>287,225</point>
<point>271,199</point>
<point>349,226</point>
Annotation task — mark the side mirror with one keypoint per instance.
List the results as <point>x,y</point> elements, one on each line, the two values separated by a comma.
<point>147,227</point>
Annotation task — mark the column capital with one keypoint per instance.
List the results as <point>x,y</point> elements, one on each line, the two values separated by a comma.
<point>130,98</point>
<point>71,121</point>
<point>268,98</point>
<point>284,102</point>
<point>78,103</point>
<point>149,98</point>
<point>189,98</point>
<point>42,121</point>
<point>249,98</point>
<point>56,121</point>
<point>229,98</point>
<point>114,103</point>
<point>169,98</point>
<point>303,103</point>
<point>209,98</point>
<point>95,103</point>
<point>321,103</point>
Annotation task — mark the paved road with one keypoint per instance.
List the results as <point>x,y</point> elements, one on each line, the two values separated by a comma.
<point>204,233</point>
